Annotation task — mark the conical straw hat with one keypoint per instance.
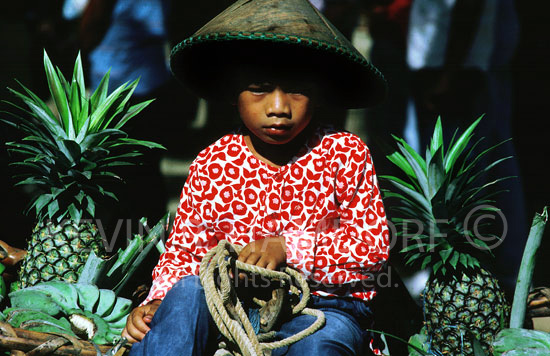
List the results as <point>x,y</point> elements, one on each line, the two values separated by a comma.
<point>293,30</point>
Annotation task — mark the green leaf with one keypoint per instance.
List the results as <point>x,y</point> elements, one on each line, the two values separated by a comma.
<point>90,208</point>
<point>107,164</point>
<point>71,150</point>
<point>419,198</point>
<point>436,173</point>
<point>35,99</point>
<point>100,93</point>
<point>426,262</point>
<point>50,122</point>
<point>75,213</point>
<point>483,187</point>
<point>58,93</point>
<point>436,267</point>
<point>41,202</point>
<point>83,119</point>
<point>463,260</point>
<point>418,246</point>
<point>412,258</point>
<point>32,180</point>
<point>437,138</point>
<point>25,148</point>
<point>43,143</point>
<point>418,168</point>
<point>478,243</point>
<point>74,107</point>
<point>454,259</point>
<point>120,105</point>
<point>110,195</point>
<point>78,76</point>
<point>83,131</point>
<point>398,180</point>
<point>525,275</point>
<point>99,115</point>
<point>80,196</point>
<point>132,141</point>
<point>53,208</point>
<point>445,254</point>
<point>476,345</point>
<point>96,139</point>
<point>456,150</point>
<point>56,191</point>
<point>400,161</point>
<point>416,157</point>
<point>64,83</point>
<point>127,256</point>
<point>472,163</point>
<point>485,169</point>
<point>132,111</point>
<point>520,342</point>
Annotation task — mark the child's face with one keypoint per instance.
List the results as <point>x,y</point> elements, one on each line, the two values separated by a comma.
<point>275,112</point>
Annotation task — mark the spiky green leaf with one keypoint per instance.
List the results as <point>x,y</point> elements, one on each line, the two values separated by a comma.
<point>78,76</point>
<point>418,166</point>
<point>57,91</point>
<point>132,141</point>
<point>400,161</point>
<point>100,94</point>
<point>457,149</point>
<point>90,208</point>
<point>132,111</point>
<point>53,208</point>
<point>445,254</point>
<point>50,122</point>
<point>418,198</point>
<point>436,173</point>
<point>437,137</point>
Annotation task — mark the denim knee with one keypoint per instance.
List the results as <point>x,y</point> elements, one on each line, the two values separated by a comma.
<point>187,292</point>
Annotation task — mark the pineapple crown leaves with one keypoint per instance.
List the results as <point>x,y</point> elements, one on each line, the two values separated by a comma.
<point>70,154</point>
<point>441,193</point>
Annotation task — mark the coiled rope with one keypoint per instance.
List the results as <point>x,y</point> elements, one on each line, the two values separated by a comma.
<point>230,315</point>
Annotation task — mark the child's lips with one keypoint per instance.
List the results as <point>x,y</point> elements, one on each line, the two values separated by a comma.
<point>277,129</point>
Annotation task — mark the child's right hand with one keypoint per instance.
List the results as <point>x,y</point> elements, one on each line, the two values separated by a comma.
<point>136,325</point>
<point>269,252</point>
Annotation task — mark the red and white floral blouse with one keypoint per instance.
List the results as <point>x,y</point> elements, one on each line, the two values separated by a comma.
<point>325,202</point>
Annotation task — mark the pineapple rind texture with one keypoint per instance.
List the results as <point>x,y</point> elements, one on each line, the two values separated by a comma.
<point>59,251</point>
<point>455,309</point>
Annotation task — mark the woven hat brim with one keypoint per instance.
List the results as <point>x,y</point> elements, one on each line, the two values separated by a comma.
<point>203,62</point>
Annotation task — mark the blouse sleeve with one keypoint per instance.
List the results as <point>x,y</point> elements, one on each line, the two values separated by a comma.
<point>352,245</point>
<point>187,243</point>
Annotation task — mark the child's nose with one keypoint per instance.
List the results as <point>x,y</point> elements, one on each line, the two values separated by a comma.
<point>278,103</point>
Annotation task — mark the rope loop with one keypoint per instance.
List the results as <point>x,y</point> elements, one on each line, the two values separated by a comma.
<point>228,305</point>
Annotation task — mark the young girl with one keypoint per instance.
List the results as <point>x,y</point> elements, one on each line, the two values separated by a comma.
<point>288,189</point>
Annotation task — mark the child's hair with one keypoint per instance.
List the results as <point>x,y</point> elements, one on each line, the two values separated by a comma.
<point>293,75</point>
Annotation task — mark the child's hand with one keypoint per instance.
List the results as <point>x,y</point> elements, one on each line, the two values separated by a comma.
<point>136,325</point>
<point>268,253</point>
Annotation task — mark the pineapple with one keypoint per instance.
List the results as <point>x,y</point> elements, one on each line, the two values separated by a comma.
<point>69,156</point>
<point>462,300</point>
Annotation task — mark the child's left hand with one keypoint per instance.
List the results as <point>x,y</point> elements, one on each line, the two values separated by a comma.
<point>269,252</point>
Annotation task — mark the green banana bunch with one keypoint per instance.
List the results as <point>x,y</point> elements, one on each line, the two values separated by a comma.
<point>83,310</point>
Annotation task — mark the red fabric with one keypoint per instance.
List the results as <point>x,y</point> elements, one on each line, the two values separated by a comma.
<point>326,203</point>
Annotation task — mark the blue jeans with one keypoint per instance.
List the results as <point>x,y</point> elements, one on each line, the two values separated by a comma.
<point>183,326</point>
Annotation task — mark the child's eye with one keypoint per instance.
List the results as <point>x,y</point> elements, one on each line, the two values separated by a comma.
<point>260,88</point>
